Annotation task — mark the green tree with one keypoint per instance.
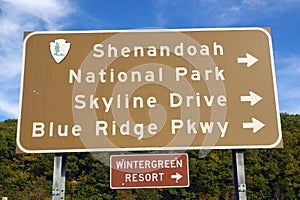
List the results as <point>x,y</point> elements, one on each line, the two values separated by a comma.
<point>57,47</point>
<point>270,173</point>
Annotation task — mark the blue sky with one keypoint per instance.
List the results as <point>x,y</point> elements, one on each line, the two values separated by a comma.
<point>17,16</point>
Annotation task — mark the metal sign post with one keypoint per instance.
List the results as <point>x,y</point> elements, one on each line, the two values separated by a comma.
<point>59,176</point>
<point>239,174</point>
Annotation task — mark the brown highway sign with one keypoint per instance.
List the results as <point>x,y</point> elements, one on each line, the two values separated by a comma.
<point>148,90</point>
<point>149,170</point>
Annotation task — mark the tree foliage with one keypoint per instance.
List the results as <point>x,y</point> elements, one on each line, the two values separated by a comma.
<point>270,173</point>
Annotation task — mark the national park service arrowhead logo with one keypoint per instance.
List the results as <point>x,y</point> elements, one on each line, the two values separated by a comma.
<point>59,49</point>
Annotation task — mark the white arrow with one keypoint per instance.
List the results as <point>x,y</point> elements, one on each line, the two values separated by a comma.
<point>255,124</point>
<point>252,98</point>
<point>249,59</point>
<point>177,176</point>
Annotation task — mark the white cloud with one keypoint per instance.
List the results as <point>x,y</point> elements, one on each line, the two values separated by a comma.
<point>49,13</point>
<point>290,65</point>
<point>160,19</point>
<point>17,16</point>
<point>253,3</point>
<point>288,76</point>
<point>9,108</point>
<point>220,12</point>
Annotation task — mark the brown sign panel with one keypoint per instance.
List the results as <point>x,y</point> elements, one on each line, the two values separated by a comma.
<point>148,90</point>
<point>146,171</point>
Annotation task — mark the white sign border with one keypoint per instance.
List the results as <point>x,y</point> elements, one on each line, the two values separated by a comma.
<point>19,145</point>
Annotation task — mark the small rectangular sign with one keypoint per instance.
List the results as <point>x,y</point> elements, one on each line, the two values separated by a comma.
<point>149,171</point>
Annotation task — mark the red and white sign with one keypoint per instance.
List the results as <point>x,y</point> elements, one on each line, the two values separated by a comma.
<point>149,170</point>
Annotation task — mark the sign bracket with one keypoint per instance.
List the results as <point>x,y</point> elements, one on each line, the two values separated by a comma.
<point>59,176</point>
<point>239,174</point>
